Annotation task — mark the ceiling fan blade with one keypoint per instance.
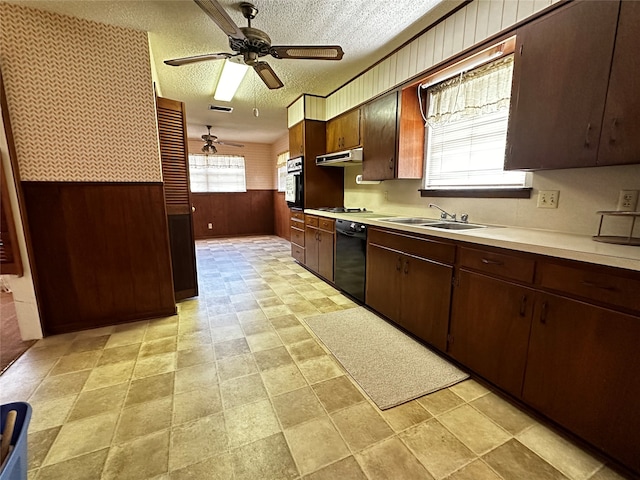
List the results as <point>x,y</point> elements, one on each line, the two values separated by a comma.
<point>268,76</point>
<point>176,62</point>
<point>311,52</point>
<point>230,144</point>
<point>216,13</point>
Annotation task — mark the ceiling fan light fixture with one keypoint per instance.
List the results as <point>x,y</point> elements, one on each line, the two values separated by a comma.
<point>229,81</point>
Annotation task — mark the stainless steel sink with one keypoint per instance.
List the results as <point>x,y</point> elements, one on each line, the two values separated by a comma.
<point>410,220</point>
<point>456,226</point>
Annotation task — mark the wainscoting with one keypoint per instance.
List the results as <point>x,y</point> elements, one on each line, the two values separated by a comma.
<point>282,220</point>
<point>232,214</point>
<point>100,252</point>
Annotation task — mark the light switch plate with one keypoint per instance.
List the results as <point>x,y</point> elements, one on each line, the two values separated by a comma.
<point>548,198</point>
<point>627,200</point>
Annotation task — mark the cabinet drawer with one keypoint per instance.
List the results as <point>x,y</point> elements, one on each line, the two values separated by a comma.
<point>600,286</point>
<point>420,247</point>
<point>311,220</point>
<point>297,215</point>
<point>297,252</point>
<point>297,236</point>
<point>297,224</point>
<point>328,224</point>
<point>499,264</point>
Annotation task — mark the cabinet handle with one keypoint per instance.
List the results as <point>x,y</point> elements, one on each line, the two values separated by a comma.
<point>586,136</point>
<point>406,266</point>
<point>523,306</point>
<point>391,164</point>
<point>612,135</point>
<point>609,288</point>
<point>488,261</point>
<point>399,264</point>
<point>543,313</point>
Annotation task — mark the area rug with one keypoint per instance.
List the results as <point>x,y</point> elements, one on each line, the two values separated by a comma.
<point>388,364</point>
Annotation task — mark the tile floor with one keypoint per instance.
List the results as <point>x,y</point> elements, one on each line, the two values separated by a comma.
<point>236,387</point>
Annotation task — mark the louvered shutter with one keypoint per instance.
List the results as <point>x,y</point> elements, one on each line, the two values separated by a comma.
<point>10,262</point>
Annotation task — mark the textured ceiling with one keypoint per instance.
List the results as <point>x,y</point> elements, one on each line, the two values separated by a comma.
<point>366,30</point>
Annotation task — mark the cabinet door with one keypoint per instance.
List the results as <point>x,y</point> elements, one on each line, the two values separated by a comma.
<point>311,248</point>
<point>325,254</point>
<point>425,300</point>
<point>343,132</point>
<point>296,140</point>
<point>383,281</point>
<point>620,141</point>
<point>490,325</point>
<point>379,138</point>
<point>582,372</point>
<point>559,86</point>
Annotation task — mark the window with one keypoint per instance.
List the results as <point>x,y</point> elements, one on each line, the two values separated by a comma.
<point>281,165</point>
<point>217,173</point>
<point>466,130</point>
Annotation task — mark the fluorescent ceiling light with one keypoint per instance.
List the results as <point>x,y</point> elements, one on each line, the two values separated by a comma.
<point>232,75</point>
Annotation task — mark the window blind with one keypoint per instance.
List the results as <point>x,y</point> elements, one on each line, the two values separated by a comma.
<point>217,173</point>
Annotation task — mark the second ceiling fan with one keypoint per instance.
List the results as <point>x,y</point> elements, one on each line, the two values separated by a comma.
<point>251,44</point>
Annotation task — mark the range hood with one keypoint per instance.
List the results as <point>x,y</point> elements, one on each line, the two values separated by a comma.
<point>341,159</point>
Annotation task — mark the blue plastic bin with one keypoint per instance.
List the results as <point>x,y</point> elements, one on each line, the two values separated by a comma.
<point>15,467</point>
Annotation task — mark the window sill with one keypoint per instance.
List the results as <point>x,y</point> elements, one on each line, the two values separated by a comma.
<point>478,192</point>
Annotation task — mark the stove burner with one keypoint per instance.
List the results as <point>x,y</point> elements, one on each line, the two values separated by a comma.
<point>342,210</point>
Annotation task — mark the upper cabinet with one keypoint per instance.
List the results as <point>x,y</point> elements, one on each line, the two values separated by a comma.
<point>573,100</point>
<point>343,131</point>
<point>296,140</point>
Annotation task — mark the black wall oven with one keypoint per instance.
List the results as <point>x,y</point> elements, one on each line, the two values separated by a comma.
<point>294,189</point>
<point>351,257</point>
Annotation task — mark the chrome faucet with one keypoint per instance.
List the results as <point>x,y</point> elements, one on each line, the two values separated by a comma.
<point>444,214</point>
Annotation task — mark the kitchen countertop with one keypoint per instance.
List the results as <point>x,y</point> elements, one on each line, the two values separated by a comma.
<point>544,242</point>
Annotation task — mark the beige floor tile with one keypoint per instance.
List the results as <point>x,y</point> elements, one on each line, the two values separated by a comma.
<point>303,309</point>
<point>315,444</point>
<point>159,346</point>
<point>84,467</point>
<point>314,294</point>
<point>251,422</point>
<point>268,458</point>
<point>50,413</point>
<point>202,438</point>
<point>514,461</point>
<point>294,334</point>
<point>75,362</point>
<point>474,429</point>
<point>47,352</point>
<point>574,462</point>
<point>476,470</point>
<point>289,298</point>
<point>242,390</point>
<point>319,369</point>
<point>127,337</point>
<point>61,385</point>
<point>305,350</point>
<point>337,393</point>
<point>297,406</point>
<point>436,448</point>
<point>361,426</point>
<point>391,460</point>
<point>508,416</point>
<point>82,436</point>
<point>191,340</point>
<point>144,457</point>
<point>154,332</point>
<point>440,401</point>
<point>219,467</point>
<point>195,356</point>
<point>119,354</point>
<point>223,334</point>
<point>263,341</point>
<point>150,388</point>
<point>230,348</point>
<point>196,404</point>
<point>270,302</point>
<point>273,358</point>
<point>143,418</point>
<point>224,320</point>
<point>38,445</point>
<point>198,376</point>
<point>99,401</point>
<point>284,321</point>
<point>283,379</point>
<point>255,327</point>
<point>469,390</point>
<point>251,316</point>
<point>96,332</point>
<point>238,366</point>
<point>85,344</point>
<point>605,473</point>
<point>277,311</point>
<point>27,371</point>
<point>155,365</point>
<point>347,468</point>
<point>111,374</point>
<point>405,415</point>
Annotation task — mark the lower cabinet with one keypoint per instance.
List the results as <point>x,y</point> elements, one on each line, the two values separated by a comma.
<point>319,240</point>
<point>410,289</point>
<point>297,235</point>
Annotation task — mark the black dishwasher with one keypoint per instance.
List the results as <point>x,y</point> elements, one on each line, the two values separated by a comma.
<point>351,257</point>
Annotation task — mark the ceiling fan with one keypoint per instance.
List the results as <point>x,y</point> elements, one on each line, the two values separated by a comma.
<point>252,44</point>
<point>209,141</point>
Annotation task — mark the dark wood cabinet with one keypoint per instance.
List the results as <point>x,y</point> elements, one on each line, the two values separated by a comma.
<point>408,282</point>
<point>296,140</point>
<point>297,235</point>
<point>319,240</point>
<point>561,70</point>
<point>379,138</point>
<point>620,142</point>
<point>582,372</point>
<point>343,131</point>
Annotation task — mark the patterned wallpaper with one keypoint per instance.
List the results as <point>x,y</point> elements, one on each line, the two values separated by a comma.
<point>80,98</point>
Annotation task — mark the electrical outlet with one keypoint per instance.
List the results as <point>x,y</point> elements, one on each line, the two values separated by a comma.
<point>627,200</point>
<point>548,198</point>
<point>210,226</point>
<point>386,195</point>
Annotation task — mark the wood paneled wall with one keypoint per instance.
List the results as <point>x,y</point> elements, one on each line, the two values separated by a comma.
<point>282,216</point>
<point>242,213</point>
<point>101,253</point>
